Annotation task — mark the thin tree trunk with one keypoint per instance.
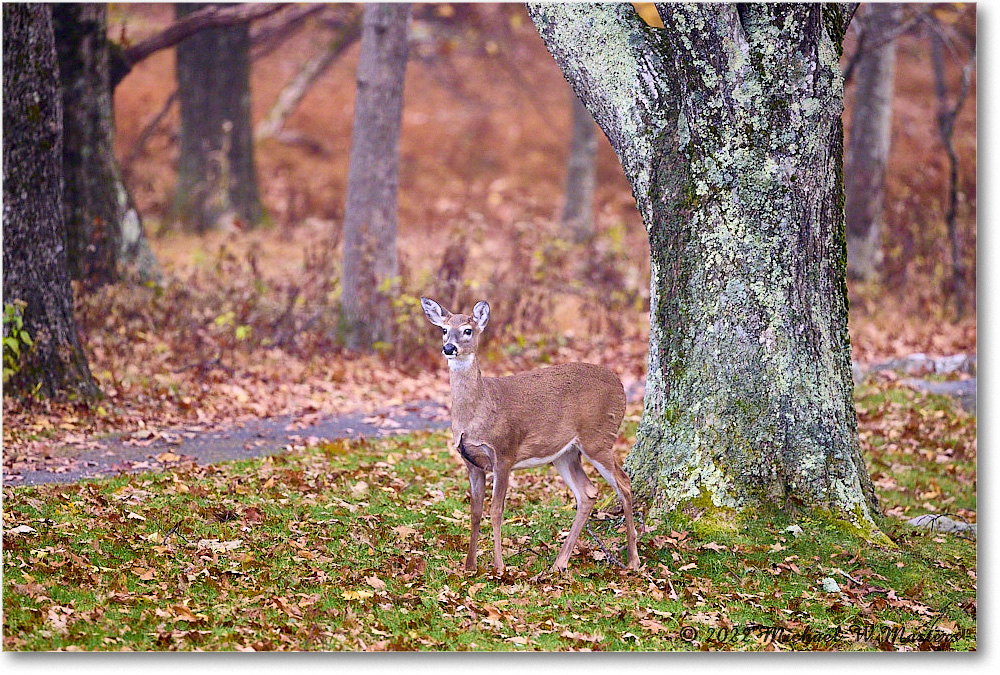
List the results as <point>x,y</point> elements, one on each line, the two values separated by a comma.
<point>216,174</point>
<point>871,134</point>
<point>581,175</point>
<point>370,264</point>
<point>727,124</point>
<point>34,253</point>
<point>947,112</point>
<point>105,238</point>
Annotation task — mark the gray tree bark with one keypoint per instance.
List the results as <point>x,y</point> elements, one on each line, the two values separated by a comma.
<point>104,233</point>
<point>727,125</point>
<point>871,134</point>
<point>581,175</point>
<point>216,173</point>
<point>370,264</point>
<point>34,252</point>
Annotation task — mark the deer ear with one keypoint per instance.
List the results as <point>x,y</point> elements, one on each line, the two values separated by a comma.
<point>436,314</point>
<point>481,313</point>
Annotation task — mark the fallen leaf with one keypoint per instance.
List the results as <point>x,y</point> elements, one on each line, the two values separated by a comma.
<point>359,594</point>
<point>404,531</point>
<point>22,529</point>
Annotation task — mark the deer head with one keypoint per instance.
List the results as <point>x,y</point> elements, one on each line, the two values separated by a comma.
<point>460,332</point>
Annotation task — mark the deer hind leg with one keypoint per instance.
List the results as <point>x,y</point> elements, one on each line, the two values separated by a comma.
<point>477,491</point>
<point>612,472</point>
<point>569,467</point>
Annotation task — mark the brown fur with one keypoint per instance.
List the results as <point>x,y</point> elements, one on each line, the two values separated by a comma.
<point>553,415</point>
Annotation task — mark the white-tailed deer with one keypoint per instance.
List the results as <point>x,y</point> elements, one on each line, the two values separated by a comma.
<point>548,416</point>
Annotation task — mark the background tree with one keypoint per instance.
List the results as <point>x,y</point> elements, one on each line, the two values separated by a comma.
<point>370,264</point>
<point>871,135</point>
<point>581,175</point>
<point>34,255</point>
<point>216,175</point>
<point>948,108</point>
<point>104,233</point>
<point>727,124</point>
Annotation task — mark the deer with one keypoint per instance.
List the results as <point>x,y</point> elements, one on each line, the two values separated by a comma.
<point>556,415</point>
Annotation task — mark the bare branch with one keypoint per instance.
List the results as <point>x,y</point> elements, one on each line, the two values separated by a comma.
<point>313,69</point>
<point>268,36</point>
<point>212,16</point>
<point>147,132</point>
<point>869,43</point>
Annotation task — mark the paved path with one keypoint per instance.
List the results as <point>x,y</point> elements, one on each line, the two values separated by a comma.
<point>262,437</point>
<point>963,391</point>
<point>254,438</point>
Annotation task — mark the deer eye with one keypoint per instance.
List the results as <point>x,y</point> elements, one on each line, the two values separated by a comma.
<point>444,331</point>
<point>468,331</point>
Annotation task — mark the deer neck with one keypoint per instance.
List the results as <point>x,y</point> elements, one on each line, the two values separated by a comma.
<point>467,390</point>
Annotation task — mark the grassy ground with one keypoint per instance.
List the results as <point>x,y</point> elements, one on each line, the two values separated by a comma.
<point>359,546</point>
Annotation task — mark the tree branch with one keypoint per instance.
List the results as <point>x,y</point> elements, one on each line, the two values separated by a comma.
<point>211,16</point>
<point>269,35</point>
<point>295,90</point>
<point>147,132</point>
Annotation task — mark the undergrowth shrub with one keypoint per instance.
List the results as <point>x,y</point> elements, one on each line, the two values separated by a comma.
<point>230,302</point>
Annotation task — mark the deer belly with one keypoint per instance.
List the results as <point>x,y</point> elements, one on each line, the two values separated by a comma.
<point>546,458</point>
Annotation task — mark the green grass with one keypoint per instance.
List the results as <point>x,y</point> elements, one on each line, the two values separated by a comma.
<point>360,546</point>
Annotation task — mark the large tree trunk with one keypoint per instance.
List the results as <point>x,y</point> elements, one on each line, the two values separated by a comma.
<point>104,234</point>
<point>370,265</point>
<point>216,174</point>
<point>581,175</point>
<point>871,133</point>
<point>34,254</point>
<point>727,124</point>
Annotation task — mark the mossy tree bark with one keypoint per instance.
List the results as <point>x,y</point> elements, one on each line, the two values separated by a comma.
<point>104,234</point>
<point>871,134</point>
<point>216,173</point>
<point>727,124</point>
<point>34,253</point>
<point>370,264</point>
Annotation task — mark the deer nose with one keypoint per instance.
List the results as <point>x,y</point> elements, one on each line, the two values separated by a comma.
<point>450,349</point>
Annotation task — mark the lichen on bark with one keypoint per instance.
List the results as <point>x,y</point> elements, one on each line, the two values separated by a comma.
<point>734,153</point>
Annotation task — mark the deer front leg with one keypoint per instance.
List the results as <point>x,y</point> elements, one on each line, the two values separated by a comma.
<point>477,490</point>
<point>501,476</point>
